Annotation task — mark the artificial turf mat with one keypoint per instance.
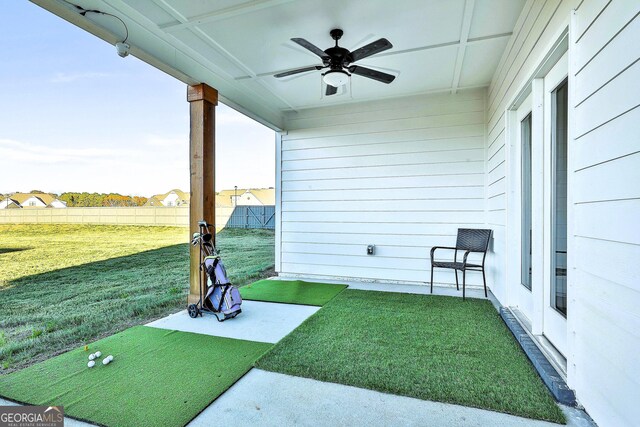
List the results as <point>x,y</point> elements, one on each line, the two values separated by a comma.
<point>157,378</point>
<point>429,347</point>
<point>291,292</point>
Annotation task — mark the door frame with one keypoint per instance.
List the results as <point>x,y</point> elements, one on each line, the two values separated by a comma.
<point>519,295</point>
<point>534,87</point>
<point>554,323</point>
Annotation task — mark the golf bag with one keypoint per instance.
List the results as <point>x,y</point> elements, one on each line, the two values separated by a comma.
<point>221,297</point>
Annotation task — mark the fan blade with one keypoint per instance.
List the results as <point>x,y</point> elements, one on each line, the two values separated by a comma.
<point>372,74</point>
<point>331,90</point>
<point>311,47</point>
<point>297,71</point>
<point>371,49</point>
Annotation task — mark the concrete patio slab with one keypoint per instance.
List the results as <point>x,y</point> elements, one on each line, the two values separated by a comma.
<point>407,288</point>
<point>270,399</point>
<point>259,321</point>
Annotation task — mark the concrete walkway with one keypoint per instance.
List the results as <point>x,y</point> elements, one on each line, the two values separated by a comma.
<point>270,399</point>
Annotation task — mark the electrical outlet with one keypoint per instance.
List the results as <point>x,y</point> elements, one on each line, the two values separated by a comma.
<point>371,249</point>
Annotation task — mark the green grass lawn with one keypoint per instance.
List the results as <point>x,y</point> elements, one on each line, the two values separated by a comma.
<point>429,347</point>
<point>64,285</point>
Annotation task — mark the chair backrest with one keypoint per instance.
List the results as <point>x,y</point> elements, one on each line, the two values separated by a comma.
<point>473,239</point>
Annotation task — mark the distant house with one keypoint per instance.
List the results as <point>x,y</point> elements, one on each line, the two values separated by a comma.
<point>31,201</point>
<point>266,196</point>
<point>171,199</point>
<point>9,203</point>
<point>246,197</point>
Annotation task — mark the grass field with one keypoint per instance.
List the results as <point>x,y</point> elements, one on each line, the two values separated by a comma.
<point>429,347</point>
<point>64,285</point>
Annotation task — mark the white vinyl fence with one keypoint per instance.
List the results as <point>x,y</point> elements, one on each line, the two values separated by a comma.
<point>167,216</point>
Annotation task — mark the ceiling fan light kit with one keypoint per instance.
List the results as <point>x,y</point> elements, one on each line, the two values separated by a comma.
<point>339,62</point>
<point>336,78</point>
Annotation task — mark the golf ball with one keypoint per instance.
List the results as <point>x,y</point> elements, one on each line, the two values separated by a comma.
<point>98,354</point>
<point>91,364</point>
<point>106,361</point>
<point>110,357</point>
<point>92,356</point>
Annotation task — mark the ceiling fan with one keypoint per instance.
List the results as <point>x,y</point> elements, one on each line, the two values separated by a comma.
<point>339,62</point>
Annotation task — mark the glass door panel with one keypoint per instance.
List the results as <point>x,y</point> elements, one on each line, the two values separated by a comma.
<point>525,138</point>
<point>559,200</point>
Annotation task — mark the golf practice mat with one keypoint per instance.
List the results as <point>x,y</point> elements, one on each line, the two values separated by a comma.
<point>157,377</point>
<point>291,292</point>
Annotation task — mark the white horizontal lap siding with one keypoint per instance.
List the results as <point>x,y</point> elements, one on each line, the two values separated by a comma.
<point>606,196</point>
<point>401,174</point>
<point>604,295</point>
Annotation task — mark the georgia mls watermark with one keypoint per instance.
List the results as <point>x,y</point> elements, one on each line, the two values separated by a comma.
<point>31,416</point>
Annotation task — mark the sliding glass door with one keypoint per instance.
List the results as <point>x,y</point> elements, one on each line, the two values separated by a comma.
<point>556,149</point>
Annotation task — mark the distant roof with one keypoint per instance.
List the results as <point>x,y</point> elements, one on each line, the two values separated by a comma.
<point>266,195</point>
<point>8,202</point>
<point>233,192</point>
<point>181,195</point>
<point>23,197</point>
<point>154,201</point>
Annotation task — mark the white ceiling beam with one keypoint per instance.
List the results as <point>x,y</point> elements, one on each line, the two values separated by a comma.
<point>222,14</point>
<point>464,37</point>
<point>198,32</point>
<point>170,10</point>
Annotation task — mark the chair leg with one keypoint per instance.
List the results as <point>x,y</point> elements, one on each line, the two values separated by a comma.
<point>464,280</point>
<point>484,280</point>
<point>431,278</point>
<point>457,286</point>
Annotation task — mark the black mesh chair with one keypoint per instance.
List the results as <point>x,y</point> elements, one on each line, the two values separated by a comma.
<point>469,240</point>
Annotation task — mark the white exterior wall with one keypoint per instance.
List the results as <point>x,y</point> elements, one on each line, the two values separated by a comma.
<point>33,202</point>
<point>400,174</point>
<point>605,296</point>
<point>604,183</point>
<point>6,203</point>
<point>171,200</point>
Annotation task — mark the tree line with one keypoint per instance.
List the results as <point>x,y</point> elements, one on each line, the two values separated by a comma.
<point>101,200</point>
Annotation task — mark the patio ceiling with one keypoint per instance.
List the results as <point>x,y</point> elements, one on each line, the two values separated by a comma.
<point>237,45</point>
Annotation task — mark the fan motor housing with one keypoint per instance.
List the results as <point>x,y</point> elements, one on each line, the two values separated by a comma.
<point>340,57</point>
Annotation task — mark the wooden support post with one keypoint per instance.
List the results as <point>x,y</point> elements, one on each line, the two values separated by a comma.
<point>202,103</point>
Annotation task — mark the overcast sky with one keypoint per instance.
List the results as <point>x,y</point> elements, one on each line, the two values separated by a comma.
<point>74,116</point>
